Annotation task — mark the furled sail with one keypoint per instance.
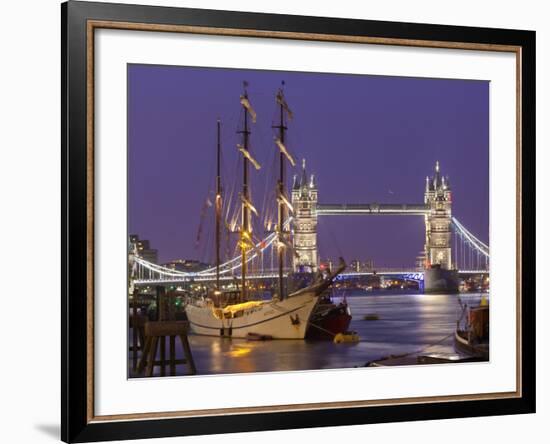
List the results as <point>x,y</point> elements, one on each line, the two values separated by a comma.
<point>246,103</point>
<point>249,205</point>
<point>281,101</point>
<point>282,198</point>
<point>247,154</point>
<point>283,149</point>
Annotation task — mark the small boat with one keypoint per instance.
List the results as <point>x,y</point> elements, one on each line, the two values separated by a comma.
<point>346,337</point>
<point>472,331</point>
<point>371,317</point>
<point>329,319</point>
<point>412,359</point>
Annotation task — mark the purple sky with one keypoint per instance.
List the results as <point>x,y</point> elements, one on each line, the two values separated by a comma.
<point>366,138</point>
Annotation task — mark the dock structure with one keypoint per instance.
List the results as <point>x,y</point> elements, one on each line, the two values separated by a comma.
<point>156,333</point>
<point>148,336</point>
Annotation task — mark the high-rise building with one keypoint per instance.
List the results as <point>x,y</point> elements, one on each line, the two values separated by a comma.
<point>355,265</point>
<point>368,265</point>
<point>358,266</point>
<point>186,265</point>
<point>144,249</point>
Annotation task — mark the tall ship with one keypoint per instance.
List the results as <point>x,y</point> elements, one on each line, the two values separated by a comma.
<point>237,313</point>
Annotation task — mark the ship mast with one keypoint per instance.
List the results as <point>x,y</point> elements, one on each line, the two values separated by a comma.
<point>246,204</point>
<point>281,193</point>
<point>218,206</point>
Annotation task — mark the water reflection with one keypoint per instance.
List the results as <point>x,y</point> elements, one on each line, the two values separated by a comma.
<point>406,323</point>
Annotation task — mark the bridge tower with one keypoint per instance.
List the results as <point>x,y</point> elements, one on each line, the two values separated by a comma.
<point>304,225</point>
<point>437,196</point>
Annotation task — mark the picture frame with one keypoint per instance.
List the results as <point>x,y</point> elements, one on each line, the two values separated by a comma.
<point>80,21</point>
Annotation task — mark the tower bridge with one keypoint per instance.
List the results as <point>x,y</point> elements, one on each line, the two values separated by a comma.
<point>442,261</point>
<point>372,209</point>
<point>436,210</point>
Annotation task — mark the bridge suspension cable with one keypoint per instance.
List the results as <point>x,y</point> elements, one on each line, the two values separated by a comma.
<point>226,267</point>
<point>470,253</point>
<point>146,270</point>
<point>478,245</point>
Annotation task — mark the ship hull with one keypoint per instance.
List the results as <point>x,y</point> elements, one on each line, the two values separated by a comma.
<point>325,324</point>
<point>462,345</point>
<point>286,319</point>
<point>473,340</point>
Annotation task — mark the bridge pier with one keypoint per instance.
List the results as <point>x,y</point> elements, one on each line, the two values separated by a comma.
<point>440,280</point>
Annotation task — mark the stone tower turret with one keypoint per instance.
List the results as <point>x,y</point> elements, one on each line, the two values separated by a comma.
<point>438,197</point>
<point>304,226</point>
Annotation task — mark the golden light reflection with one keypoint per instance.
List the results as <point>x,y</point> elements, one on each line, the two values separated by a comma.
<point>239,352</point>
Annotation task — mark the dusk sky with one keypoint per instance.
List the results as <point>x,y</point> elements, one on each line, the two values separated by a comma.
<point>367,139</point>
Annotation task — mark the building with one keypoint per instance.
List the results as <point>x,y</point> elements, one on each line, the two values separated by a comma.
<point>326,265</point>
<point>304,226</point>
<point>357,266</point>
<point>438,197</point>
<point>143,248</point>
<point>186,265</point>
<point>368,265</point>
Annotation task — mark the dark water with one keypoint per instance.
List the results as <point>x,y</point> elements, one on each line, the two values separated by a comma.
<point>408,323</point>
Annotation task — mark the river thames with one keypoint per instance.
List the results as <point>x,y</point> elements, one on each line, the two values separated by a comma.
<point>407,323</point>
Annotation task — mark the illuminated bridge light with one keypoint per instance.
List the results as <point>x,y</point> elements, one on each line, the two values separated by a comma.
<point>158,274</point>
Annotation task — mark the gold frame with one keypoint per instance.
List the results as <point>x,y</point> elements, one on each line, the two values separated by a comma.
<point>92,25</point>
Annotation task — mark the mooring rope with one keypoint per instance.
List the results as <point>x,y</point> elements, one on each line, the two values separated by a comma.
<point>322,329</point>
<point>404,355</point>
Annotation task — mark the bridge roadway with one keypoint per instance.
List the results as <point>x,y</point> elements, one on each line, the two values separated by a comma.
<point>373,208</point>
<point>274,275</point>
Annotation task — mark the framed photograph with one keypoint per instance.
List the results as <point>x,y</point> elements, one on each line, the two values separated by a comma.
<point>275,221</point>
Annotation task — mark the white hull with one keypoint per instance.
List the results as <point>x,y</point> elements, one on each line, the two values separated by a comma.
<point>286,319</point>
